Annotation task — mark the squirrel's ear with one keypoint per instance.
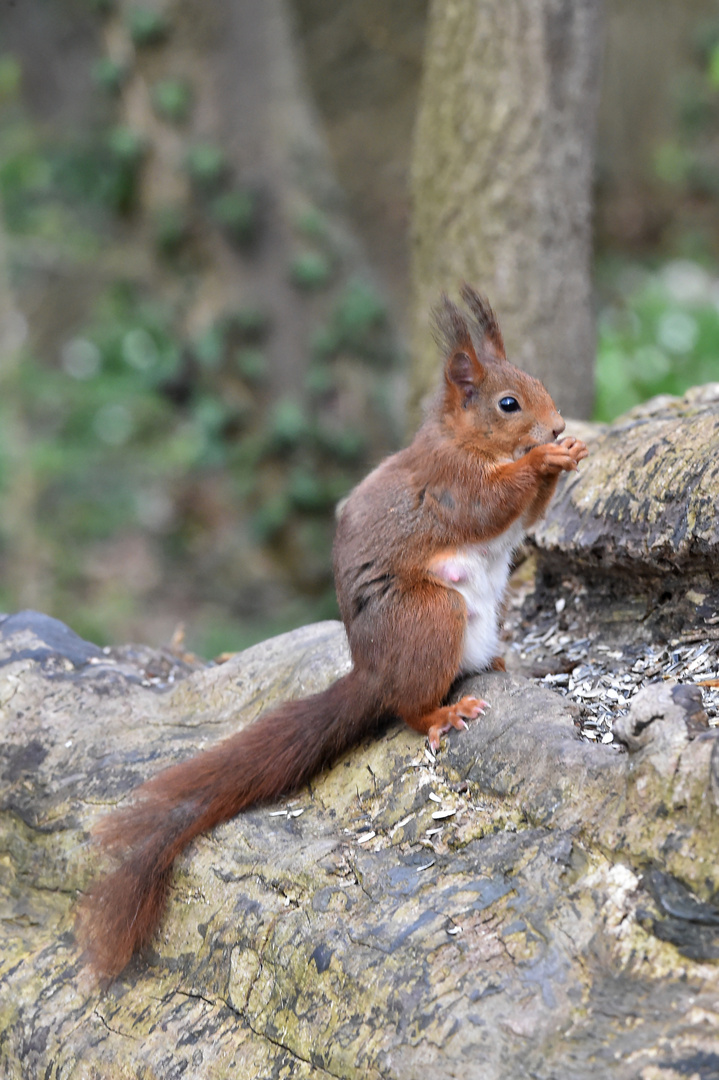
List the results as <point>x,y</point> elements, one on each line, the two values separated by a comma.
<point>486,328</point>
<point>464,371</point>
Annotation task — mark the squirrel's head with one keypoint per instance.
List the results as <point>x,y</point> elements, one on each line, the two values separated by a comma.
<point>486,401</point>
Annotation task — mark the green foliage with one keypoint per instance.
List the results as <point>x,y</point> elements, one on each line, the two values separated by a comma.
<point>251,364</point>
<point>127,150</point>
<point>236,212</point>
<point>695,103</point>
<point>345,444</point>
<point>99,424</point>
<point>319,379</point>
<point>713,70</point>
<point>45,184</point>
<point>24,178</point>
<point>672,163</point>
<point>147,27</point>
<point>171,228</point>
<point>126,145</point>
<point>209,348</point>
<point>10,76</point>
<point>705,36</point>
<point>313,223</point>
<point>212,417</point>
<point>108,74</point>
<point>251,323</point>
<point>206,165</point>
<point>358,311</point>
<point>308,490</point>
<point>288,425</point>
<point>310,270</point>
<point>358,325</point>
<point>172,99</point>
<point>660,335</point>
<point>272,516</point>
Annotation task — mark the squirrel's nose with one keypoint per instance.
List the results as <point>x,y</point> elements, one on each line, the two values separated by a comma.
<point>559,426</point>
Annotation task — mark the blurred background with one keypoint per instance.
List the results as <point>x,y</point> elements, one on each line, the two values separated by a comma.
<point>206,289</point>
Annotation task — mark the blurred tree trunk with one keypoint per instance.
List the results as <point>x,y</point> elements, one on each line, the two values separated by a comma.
<point>247,99</point>
<point>502,173</point>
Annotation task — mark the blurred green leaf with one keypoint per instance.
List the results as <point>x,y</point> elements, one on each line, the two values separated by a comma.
<point>313,223</point>
<point>171,99</point>
<point>310,270</point>
<point>209,347</point>
<point>671,163</point>
<point>251,364</point>
<point>713,69</point>
<point>10,76</point>
<point>171,229</point>
<point>251,323</point>
<point>271,518</point>
<point>126,145</point>
<point>147,26</point>
<point>288,424</point>
<point>236,213</point>
<point>108,74</point>
<point>206,165</point>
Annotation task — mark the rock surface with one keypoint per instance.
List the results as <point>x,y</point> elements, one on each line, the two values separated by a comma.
<point>529,905</point>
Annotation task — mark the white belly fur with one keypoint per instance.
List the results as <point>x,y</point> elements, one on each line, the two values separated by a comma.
<point>479,572</point>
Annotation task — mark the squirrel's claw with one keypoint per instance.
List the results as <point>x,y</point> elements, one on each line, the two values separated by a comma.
<point>455,716</point>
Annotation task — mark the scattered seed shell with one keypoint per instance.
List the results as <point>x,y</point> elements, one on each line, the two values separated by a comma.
<point>605,678</point>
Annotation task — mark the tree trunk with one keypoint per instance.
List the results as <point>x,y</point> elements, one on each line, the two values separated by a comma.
<point>502,174</point>
<point>250,101</point>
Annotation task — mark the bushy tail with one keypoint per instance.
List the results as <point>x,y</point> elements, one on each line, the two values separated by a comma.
<point>277,754</point>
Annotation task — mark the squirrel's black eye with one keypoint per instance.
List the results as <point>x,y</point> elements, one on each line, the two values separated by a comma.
<point>509,404</point>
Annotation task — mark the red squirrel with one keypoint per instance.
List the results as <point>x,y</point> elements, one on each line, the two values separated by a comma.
<point>421,557</point>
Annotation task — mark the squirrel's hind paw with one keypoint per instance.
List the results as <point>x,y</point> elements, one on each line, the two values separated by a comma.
<point>453,716</point>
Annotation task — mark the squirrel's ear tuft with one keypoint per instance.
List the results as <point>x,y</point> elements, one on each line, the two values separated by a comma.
<point>449,327</point>
<point>484,323</point>
<point>462,368</point>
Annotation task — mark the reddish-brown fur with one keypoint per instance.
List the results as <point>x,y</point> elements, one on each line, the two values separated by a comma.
<point>470,473</point>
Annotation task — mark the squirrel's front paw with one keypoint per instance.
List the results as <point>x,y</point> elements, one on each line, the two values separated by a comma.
<point>577,449</point>
<point>553,458</point>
